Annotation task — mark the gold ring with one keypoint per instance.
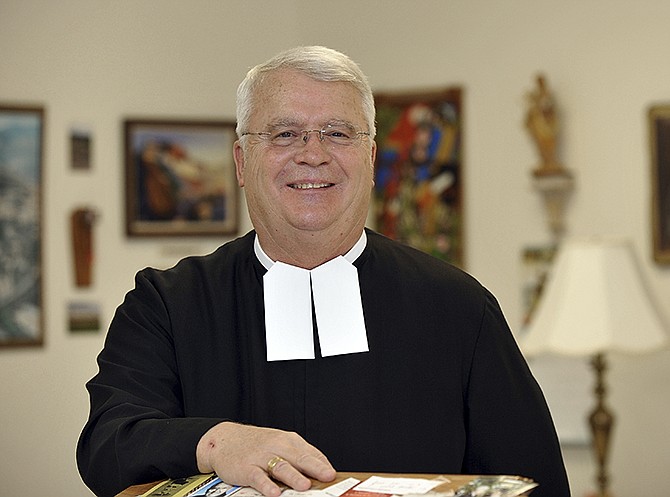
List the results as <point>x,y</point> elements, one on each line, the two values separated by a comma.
<point>273,462</point>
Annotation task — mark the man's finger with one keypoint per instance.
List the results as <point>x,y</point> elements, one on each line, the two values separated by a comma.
<point>281,470</point>
<point>261,481</point>
<point>317,466</point>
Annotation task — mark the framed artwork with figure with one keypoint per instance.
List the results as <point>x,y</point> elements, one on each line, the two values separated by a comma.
<point>659,131</point>
<point>418,171</point>
<point>21,153</point>
<point>180,178</point>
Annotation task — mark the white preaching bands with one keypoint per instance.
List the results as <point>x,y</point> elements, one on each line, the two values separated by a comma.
<point>288,294</point>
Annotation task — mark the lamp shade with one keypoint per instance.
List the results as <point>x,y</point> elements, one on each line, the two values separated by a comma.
<point>594,301</point>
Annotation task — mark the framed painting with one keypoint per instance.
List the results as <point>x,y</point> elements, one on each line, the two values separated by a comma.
<point>21,152</point>
<point>180,178</point>
<point>418,171</point>
<point>659,131</point>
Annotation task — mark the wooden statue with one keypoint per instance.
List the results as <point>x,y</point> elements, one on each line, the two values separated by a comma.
<point>82,220</point>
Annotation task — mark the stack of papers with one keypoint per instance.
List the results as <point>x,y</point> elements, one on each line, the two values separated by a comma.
<point>211,485</point>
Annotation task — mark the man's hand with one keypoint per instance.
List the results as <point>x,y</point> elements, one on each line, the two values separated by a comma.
<point>253,456</point>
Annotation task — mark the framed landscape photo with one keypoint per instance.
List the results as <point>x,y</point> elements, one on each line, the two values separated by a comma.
<point>418,171</point>
<point>659,127</point>
<point>180,178</point>
<point>21,152</point>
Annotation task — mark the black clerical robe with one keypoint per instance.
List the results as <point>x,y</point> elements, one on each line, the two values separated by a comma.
<point>443,388</point>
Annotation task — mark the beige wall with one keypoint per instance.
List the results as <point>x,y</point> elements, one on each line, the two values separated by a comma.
<point>94,62</point>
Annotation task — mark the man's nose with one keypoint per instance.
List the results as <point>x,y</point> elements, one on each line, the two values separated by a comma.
<point>312,151</point>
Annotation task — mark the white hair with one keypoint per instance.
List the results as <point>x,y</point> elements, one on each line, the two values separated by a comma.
<point>320,64</point>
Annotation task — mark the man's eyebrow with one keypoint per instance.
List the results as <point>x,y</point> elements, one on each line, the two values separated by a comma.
<point>294,123</point>
<point>284,123</point>
<point>340,122</point>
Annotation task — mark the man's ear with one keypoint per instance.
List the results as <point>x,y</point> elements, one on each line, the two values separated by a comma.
<point>373,156</point>
<point>373,152</point>
<point>238,157</point>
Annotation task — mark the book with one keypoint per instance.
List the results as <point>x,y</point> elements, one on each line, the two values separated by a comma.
<point>208,485</point>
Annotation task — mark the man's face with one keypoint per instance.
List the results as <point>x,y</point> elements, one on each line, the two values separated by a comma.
<point>313,186</point>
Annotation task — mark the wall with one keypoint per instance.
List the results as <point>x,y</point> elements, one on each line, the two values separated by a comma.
<point>94,62</point>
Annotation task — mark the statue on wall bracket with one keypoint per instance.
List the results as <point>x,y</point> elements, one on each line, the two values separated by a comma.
<point>550,177</point>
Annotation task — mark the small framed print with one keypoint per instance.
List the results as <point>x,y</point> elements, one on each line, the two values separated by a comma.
<point>180,178</point>
<point>80,149</point>
<point>659,127</point>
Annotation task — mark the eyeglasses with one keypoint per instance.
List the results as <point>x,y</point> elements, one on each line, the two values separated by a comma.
<point>340,135</point>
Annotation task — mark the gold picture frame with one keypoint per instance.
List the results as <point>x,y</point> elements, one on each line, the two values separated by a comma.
<point>180,178</point>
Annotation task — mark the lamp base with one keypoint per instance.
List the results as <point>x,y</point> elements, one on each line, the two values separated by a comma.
<point>601,421</point>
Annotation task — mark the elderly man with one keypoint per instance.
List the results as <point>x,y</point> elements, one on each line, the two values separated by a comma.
<point>311,343</point>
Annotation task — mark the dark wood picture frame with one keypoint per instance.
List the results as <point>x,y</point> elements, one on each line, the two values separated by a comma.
<point>180,178</point>
<point>659,132</point>
<point>418,171</point>
<point>21,157</point>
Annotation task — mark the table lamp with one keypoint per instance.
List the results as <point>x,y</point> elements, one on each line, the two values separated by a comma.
<point>594,302</point>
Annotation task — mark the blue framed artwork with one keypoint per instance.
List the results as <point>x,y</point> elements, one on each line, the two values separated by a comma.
<point>21,151</point>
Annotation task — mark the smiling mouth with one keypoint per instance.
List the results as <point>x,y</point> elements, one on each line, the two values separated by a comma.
<point>309,186</point>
